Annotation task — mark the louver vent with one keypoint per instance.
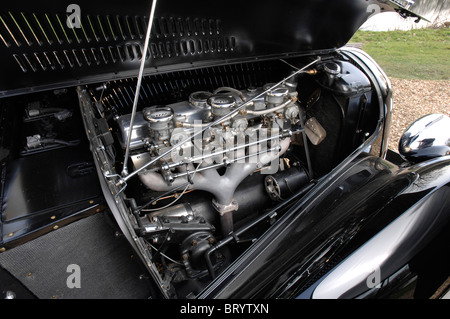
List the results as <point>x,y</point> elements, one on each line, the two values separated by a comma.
<point>176,86</point>
<point>46,42</point>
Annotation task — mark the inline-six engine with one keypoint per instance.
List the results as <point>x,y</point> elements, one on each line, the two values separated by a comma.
<point>217,145</point>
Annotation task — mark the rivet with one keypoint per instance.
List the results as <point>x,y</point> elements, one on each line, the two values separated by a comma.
<point>2,249</point>
<point>91,202</point>
<point>10,234</point>
<point>55,227</point>
<point>53,217</point>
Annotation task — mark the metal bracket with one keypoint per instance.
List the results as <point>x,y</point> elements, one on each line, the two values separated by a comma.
<point>121,181</point>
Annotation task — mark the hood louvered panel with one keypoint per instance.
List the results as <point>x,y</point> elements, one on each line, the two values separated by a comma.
<point>38,51</point>
<point>42,46</point>
<point>101,39</point>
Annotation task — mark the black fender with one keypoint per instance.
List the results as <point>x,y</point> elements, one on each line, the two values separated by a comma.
<point>372,206</point>
<point>397,248</point>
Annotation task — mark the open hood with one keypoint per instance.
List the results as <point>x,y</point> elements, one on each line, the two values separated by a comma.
<point>47,44</point>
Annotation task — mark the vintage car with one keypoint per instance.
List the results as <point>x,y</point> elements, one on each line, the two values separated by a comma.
<point>184,149</point>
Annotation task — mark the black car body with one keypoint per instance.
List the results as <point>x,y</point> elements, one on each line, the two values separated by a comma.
<point>326,210</point>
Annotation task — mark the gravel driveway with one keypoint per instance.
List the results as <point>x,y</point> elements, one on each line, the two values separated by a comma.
<point>414,99</point>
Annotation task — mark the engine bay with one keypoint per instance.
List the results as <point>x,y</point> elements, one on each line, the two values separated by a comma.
<point>215,155</point>
<point>214,164</point>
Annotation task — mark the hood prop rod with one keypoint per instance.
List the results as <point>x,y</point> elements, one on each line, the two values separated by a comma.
<point>138,87</point>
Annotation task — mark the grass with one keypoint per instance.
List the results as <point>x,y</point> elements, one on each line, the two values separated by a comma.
<point>416,54</point>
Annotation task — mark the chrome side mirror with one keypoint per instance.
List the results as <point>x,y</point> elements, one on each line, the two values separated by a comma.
<point>426,138</point>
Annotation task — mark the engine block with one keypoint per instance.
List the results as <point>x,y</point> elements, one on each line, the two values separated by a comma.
<point>224,144</point>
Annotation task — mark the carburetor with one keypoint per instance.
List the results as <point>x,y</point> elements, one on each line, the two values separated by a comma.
<point>160,124</point>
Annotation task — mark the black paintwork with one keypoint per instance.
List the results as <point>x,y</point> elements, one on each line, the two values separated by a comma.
<point>331,222</point>
<point>346,208</point>
<point>184,36</point>
<point>42,188</point>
